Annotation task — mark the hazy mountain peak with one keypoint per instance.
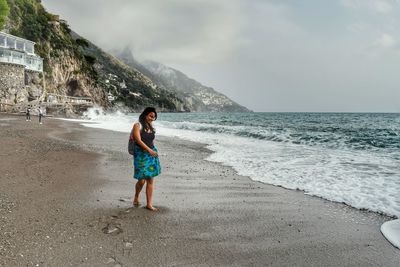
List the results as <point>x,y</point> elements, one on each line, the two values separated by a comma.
<point>207,98</point>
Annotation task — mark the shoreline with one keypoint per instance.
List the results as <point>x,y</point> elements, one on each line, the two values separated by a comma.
<point>388,216</point>
<point>208,214</point>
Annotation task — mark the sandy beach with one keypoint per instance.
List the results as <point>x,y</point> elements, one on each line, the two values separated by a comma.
<point>65,200</point>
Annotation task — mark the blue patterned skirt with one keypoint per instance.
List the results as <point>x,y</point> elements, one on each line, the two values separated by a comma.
<point>145,165</point>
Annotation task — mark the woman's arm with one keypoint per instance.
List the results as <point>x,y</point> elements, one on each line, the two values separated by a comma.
<point>138,140</point>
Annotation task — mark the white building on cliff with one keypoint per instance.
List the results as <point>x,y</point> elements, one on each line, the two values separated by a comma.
<point>16,50</point>
<point>21,73</point>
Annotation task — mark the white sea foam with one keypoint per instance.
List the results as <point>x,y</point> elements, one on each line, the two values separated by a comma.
<point>354,178</point>
<point>97,118</point>
<point>362,179</point>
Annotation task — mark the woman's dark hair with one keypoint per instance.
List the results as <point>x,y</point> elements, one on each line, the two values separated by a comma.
<point>142,119</point>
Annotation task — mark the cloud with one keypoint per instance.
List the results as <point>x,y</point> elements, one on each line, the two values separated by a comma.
<point>386,41</point>
<point>377,6</point>
<point>200,31</point>
<point>375,26</point>
<point>358,27</point>
<point>268,55</point>
<point>381,6</point>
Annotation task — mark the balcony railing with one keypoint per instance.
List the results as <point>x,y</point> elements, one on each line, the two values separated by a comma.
<point>74,100</point>
<point>30,62</point>
<point>16,43</point>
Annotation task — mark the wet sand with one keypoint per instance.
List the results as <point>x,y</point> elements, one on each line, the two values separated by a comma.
<point>65,200</point>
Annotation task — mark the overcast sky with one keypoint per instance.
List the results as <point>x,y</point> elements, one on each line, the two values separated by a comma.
<point>268,55</point>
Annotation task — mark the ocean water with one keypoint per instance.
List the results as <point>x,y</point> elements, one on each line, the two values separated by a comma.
<point>345,157</point>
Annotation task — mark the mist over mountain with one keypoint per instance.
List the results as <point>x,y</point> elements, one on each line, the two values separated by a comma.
<point>75,67</point>
<point>196,96</point>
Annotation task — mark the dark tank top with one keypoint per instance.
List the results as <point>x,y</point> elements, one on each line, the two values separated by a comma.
<point>147,138</point>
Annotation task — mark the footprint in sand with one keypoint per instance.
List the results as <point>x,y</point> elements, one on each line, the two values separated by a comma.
<point>112,228</point>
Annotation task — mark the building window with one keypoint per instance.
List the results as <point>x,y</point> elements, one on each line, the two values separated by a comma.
<point>29,48</point>
<point>20,45</point>
<point>2,40</point>
<point>10,42</point>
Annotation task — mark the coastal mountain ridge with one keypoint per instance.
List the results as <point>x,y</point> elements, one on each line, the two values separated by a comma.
<point>208,97</point>
<point>75,67</point>
<point>197,97</point>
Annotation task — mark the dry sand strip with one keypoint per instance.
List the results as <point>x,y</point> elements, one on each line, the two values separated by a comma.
<point>65,195</point>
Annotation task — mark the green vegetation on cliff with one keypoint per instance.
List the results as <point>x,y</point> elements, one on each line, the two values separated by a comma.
<point>4,9</point>
<point>85,70</point>
<point>137,92</point>
<point>29,20</point>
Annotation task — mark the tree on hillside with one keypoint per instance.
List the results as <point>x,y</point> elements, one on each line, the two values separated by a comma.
<point>4,9</point>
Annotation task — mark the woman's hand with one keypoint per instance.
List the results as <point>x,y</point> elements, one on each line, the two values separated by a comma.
<point>153,153</point>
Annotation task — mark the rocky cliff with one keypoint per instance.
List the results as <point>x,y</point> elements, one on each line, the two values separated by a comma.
<point>75,67</point>
<point>66,70</point>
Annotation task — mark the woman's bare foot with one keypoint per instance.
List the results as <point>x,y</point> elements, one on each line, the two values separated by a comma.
<point>135,202</point>
<point>151,208</point>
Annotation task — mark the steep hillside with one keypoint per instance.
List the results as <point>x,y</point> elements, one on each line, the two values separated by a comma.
<point>196,96</point>
<point>75,67</point>
<point>66,70</point>
<point>4,9</point>
<point>126,84</point>
<point>209,99</point>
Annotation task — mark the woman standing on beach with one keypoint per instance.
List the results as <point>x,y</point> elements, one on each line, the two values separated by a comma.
<point>145,157</point>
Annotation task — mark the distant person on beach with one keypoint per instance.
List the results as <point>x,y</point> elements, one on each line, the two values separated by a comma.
<point>40,113</point>
<point>28,114</point>
<point>145,157</point>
